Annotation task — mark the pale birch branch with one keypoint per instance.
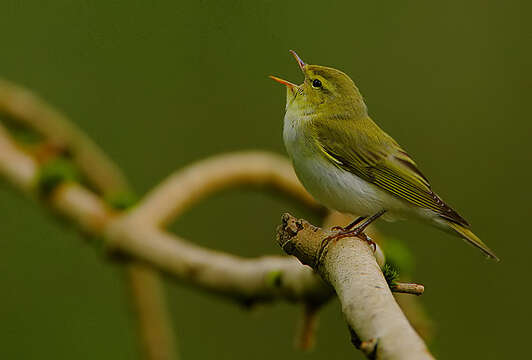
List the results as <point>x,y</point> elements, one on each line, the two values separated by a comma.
<point>92,215</point>
<point>250,280</point>
<point>195,182</point>
<point>247,280</point>
<point>147,290</point>
<point>378,326</point>
<point>411,306</point>
<point>23,106</point>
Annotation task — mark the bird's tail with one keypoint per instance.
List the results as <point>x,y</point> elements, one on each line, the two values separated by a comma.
<point>473,239</point>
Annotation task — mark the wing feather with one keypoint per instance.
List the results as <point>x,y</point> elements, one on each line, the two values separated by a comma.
<point>381,161</point>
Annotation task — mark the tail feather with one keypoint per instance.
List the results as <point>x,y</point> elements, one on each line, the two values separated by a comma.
<point>473,239</point>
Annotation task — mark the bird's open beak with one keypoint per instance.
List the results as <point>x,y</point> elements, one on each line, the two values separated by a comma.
<point>299,61</point>
<point>284,82</point>
<point>288,83</point>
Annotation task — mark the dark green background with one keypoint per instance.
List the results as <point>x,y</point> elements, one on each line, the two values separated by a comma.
<point>161,85</point>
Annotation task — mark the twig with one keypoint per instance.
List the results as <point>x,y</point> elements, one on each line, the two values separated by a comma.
<point>150,305</point>
<point>378,326</point>
<point>408,288</point>
<point>309,324</point>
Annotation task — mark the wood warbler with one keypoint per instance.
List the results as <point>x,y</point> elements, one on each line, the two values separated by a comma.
<point>349,164</point>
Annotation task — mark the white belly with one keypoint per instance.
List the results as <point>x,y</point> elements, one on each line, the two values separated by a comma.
<point>333,187</point>
<point>336,188</point>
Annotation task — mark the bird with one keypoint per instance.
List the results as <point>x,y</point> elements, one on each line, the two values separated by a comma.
<point>349,164</point>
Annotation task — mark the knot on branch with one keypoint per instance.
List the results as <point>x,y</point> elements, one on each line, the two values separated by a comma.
<point>299,238</point>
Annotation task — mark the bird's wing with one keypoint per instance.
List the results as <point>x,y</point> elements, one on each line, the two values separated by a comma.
<point>379,160</point>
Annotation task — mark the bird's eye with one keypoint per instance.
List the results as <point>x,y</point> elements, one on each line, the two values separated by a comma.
<point>316,83</point>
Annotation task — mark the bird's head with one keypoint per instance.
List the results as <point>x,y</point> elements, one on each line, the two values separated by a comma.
<point>324,90</point>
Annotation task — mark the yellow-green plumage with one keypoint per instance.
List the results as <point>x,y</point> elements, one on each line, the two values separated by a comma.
<point>349,164</point>
<point>378,160</point>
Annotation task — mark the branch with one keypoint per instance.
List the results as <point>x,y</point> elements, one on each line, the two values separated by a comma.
<point>378,326</point>
<point>149,300</point>
<point>195,182</point>
<point>408,288</point>
<point>17,167</point>
<point>306,336</point>
<point>21,105</point>
<point>250,280</point>
<point>24,107</point>
<point>411,306</point>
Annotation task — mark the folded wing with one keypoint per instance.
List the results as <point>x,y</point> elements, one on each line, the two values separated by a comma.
<point>379,160</point>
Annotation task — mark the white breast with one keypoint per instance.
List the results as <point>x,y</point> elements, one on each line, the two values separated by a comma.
<point>330,185</point>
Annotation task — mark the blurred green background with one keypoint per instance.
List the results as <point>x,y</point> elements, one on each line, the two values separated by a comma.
<point>160,85</point>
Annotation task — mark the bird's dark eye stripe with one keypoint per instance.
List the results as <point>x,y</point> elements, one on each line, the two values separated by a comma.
<point>316,83</point>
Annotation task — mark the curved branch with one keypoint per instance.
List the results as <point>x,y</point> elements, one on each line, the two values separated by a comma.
<point>378,326</point>
<point>23,106</point>
<point>246,280</point>
<point>260,279</point>
<point>191,184</point>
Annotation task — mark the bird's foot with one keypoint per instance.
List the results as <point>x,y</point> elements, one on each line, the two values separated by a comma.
<point>349,231</point>
<point>342,233</point>
<point>356,232</point>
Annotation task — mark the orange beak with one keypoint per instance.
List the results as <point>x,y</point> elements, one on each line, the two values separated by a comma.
<point>284,82</point>
<point>301,66</point>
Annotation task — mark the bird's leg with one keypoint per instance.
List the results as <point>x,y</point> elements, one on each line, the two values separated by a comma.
<point>360,228</point>
<point>350,226</point>
<point>357,231</point>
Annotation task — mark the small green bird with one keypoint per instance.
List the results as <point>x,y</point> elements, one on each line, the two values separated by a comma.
<point>351,165</point>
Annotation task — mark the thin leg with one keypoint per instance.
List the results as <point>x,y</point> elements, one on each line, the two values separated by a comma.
<point>360,228</point>
<point>350,226</point>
